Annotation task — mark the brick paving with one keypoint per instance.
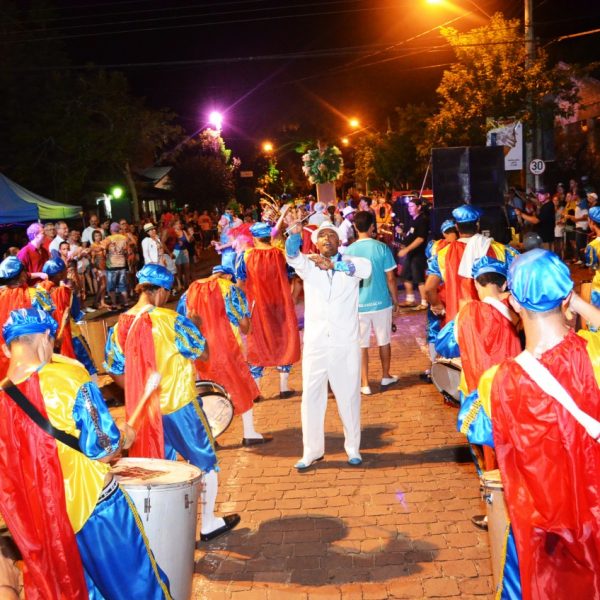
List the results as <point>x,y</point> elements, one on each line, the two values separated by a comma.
<point>396,527</point>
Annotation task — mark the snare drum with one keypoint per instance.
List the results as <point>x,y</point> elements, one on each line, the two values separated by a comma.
<point>493,494</point>
<point>165,494</point>
<point>445,375</point>
<point>216,404</point>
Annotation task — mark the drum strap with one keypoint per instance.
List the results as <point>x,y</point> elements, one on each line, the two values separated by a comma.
<point>36,416</point>
<point>549,385</point>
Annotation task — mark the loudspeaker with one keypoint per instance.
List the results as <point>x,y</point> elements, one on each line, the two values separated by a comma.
<point>468,175</point>
<point>494,222</point>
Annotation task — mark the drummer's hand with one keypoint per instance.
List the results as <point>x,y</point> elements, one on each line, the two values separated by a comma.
<point>438,309</point>
<point>296,228</point>
<point>396,309</point>
<point>402,253</point>
<point>9,579</point>
<point>322,262</point>
<point>128,436</point>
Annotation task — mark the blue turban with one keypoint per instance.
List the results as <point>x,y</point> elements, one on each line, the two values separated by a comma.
<point>10,267</point>
<point>447,224</point>
<point>486,264</point>
<point>54,266</point>
<point>222,269</point>
<point>156,275</point>
<point>466,214</point>
<point>539,280</point>
<point>26,321</point>
<point>260,230</point>
<point>594,214</point>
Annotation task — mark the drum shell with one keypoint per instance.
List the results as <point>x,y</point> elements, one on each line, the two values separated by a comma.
<point>445,375</point>
<point>493,494</point>
<point>169,514</point>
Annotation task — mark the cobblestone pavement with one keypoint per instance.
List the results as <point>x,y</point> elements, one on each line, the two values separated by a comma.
<point>396,527</point>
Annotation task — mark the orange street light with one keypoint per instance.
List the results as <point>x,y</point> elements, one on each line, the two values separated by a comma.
<point>354,123</point>
<point>267,147</point>
<point>345,141</point>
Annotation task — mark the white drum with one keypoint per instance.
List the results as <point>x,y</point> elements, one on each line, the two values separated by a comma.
<point>216,404</point>
<point>493,494</point>
<point>445,375</point>
<point>166,495</point>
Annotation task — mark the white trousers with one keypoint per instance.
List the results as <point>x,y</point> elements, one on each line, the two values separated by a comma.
<point>341,367</point>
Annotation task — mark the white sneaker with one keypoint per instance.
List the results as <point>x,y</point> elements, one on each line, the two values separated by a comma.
<point>389,381</point>
<point>366,390</point>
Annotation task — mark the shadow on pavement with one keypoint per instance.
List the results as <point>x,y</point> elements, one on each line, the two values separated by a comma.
<point>312,551</point>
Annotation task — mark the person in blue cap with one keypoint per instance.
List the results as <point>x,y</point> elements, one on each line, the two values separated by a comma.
<point>540,412</point>
<point>592,255</point>
<point>15,293</point>
<point>453,264</point>
<point>273,340</point>
<point>150,339</point>
<point>60,500</point>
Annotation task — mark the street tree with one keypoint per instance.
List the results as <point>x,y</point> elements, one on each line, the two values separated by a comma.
<point>494,77</point>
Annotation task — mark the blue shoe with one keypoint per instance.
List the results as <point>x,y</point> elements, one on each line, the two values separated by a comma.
<point>355,461</point>
<point>302,466</point>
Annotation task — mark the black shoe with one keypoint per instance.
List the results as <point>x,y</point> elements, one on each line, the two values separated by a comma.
<point>265,439</point>
<point>258,399</point>
<point>231,521</point>
<point>288,394</point>
<point>480,521</point>
<point>426,377</point>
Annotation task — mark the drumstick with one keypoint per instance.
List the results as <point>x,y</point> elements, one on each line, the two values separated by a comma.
<point>252,308</point>
<point>151,386</point>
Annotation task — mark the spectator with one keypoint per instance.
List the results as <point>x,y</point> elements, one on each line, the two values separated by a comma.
<point>182,254</point>
<point>544,219</point>
<point>346,229</point>
<point>34,255</point>
<point>62,233</point>
<point>49,235</point>
<point>98,261</point>
<point>207,227</point>
<point>116,246</point>
<point>152,248</point>
<point>581,228</point>
<point>377,298</point>
<point>415,264</point>
<point>86,236</point>
<point>320,214</point>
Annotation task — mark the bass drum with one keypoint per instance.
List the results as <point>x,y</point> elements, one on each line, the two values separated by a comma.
<point>217,406</point>
<point>445,375</point>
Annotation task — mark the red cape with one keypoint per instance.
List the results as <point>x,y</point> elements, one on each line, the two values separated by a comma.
<point>32,501</point>
<point>140,363</point>
<point>62,298</point>
<point>226,364</point>
<point>485,338</point>
<point>273,339</point>
<point>458,288</point>
<point>551,473</point>
<point>11,299</point>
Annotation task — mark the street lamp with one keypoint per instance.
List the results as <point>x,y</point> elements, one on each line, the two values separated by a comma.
<point>216,119</point>
<point>354,123</point>
<point>345,141</point>
<point>117,192</point>
<point>267,147</point>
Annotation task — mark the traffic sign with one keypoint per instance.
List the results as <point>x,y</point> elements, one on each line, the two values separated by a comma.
<point>537,166</point>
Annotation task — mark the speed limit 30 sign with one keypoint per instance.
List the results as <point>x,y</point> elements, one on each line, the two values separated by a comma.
<point>537,166</point>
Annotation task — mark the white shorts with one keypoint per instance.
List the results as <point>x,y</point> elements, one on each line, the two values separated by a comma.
<point>381,322</point>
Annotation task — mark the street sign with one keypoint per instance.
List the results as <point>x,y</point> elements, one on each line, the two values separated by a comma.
<point>537,166</point>
<point>246,173</point>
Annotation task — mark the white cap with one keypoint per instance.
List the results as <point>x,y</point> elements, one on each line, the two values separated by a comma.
<point>348,211</point>
<point>324,225</point>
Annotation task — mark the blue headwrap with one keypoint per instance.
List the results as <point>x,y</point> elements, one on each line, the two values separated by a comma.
<point>539,280</point>
<point>594,214</point>
<point>447,224</point>
<point>26,321</point>
<point>10,267</point>
<point>486,264</point>
<point>156,275</point>
<point>54,266</point>
<point>260,230</point>
<point>466,214</point>
<point>223,269</point>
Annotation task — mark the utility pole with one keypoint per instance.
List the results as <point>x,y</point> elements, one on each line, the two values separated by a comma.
<point>531,136</point>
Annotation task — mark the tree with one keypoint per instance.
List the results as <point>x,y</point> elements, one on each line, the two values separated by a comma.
<point>202,174</point>
<point>494,78</point>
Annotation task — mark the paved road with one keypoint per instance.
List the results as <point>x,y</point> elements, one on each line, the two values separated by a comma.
<point>397,527</point>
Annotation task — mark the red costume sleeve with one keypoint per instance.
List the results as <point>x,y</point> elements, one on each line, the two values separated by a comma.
<point>551,474</point>
<point>32,501</point>
<point>10,299</point>
<point>226,364</point>
<point>486,338</point>
<point>137,342</point>
<point>307,246</point>
<point>273,339</point>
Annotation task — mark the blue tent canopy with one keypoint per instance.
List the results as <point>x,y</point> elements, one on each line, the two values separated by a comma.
<point>19,205</point>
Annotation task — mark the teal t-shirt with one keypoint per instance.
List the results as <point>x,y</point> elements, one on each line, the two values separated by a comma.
<point>374,293</point>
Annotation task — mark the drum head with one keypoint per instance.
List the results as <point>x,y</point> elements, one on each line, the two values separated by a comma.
<point>154,472</point>
<point>446,378</point>
<point>204,386</point>
<point>492,479</point>
<point>218,410</point>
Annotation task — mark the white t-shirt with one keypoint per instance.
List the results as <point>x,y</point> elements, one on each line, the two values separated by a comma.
<point>152,250</point>
<point>88,232</point>
<point>581,212</point>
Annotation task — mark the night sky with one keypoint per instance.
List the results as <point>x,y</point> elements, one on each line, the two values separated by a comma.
<point>313,61</point>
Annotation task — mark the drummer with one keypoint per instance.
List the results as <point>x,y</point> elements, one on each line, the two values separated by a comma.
<point>60,501</point>
<point>150,339</point>
<point>549,463</point>
<point>220,307</point>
